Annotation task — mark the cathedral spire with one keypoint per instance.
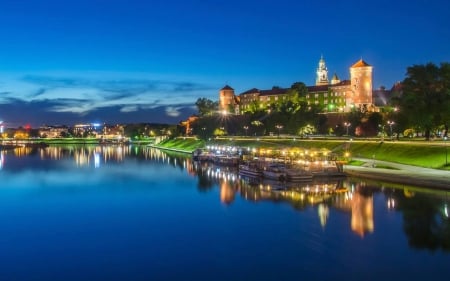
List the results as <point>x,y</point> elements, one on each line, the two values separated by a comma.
<point>322,73</point>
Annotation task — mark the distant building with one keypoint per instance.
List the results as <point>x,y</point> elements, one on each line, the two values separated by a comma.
<point>332,96</point>
<point>53,131</point>
<point>81,130</point>
<point>112,132</point>
<point>187,124</point>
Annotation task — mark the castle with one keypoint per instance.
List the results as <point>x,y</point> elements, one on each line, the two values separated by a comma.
<point>332,96</point>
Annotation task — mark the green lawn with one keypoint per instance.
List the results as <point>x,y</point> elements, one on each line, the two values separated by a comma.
<point>186,144</point>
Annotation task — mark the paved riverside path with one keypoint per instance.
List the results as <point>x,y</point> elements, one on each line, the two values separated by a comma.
<point>401,173</point>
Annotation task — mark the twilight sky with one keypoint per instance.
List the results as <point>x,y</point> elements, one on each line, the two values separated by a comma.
<point>72,61</point>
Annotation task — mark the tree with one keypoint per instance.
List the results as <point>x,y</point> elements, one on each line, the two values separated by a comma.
<point>206,106</point>
<point>426,96</point>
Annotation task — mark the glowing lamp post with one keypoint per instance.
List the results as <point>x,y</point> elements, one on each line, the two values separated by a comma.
<point>347,124</point>
<point>390,123</point>
<point>446,154</point>
<point>279,127</point>
<point>246,130</point>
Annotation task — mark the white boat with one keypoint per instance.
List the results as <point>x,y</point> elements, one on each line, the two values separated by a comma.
<point>250,169</point>
<point>274,172</point>
<point>298,175</point>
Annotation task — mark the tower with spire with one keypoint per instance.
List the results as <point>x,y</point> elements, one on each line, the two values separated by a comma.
<point>335,79</point>
<point>322,73</point>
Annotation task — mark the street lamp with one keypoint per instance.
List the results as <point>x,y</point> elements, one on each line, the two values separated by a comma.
<point>390,123</point>
<point>446,154</point>
<point>347,124</point>
<point>246,129</point>
<point>279,127</point>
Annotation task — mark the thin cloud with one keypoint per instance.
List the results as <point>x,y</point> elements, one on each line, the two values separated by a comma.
<point>97,95</point>
<point>130,108</point>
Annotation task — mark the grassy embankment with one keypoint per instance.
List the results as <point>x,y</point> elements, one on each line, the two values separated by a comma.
<point>423,154</point>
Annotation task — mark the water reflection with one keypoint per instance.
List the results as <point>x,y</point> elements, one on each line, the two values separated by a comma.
<point>424,212</point>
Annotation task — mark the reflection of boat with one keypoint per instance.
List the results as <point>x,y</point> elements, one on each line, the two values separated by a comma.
<point>250,169</point>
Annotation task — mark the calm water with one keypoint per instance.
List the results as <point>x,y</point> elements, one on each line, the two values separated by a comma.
<point>129,213</point>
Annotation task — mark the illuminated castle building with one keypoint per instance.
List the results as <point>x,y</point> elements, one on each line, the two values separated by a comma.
<point>332,96</point>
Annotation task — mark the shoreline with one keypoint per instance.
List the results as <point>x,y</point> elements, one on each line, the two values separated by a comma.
<point>417,180</point>
<point>433,178</point>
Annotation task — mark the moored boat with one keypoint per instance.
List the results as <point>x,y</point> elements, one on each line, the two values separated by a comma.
<point>274,172</point>
<point>250,169</point>
<point>298,175</point>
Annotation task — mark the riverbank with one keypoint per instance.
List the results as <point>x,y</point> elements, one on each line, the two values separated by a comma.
<point>410,163</point>
<point>399,173</point>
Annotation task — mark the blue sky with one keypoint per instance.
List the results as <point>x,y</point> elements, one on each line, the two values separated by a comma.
<point>148,61</point>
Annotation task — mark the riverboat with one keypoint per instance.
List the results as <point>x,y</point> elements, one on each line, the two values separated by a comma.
<point>250,170</point>
<point>225,160</point>
<point>296,175</point>
<point>274,172</point>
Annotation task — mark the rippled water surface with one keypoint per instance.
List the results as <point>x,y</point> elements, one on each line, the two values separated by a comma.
<point>134,213</point>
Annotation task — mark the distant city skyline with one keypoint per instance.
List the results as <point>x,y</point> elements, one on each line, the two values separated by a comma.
<point>117,61</point>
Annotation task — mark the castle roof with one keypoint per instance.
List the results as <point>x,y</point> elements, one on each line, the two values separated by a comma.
<point>273,92</point>
<point>227,88</point>
<point>319,88</point>
<point>360,63</point>
<point>342,83</point>
<point>251,91</point>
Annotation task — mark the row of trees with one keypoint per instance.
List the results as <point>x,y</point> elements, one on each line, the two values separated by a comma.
<point>422,104</point>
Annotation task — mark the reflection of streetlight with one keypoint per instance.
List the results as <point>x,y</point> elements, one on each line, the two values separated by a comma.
<point>390,123</point>
<point>279,127</point>
<point>391,203</point>
<point>246,129</point>
<point>347,124</point>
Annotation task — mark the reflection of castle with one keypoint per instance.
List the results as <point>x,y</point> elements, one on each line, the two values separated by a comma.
<point>361,207</point>
<point>333,96</point>
<point>362,214</point>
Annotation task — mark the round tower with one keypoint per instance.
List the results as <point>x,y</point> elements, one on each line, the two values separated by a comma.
<point>226,98</point>
<point>361,85</point>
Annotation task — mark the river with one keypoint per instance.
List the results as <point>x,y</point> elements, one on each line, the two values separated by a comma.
<point>136,213</point>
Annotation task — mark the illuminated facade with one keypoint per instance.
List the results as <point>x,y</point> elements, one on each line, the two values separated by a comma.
<point>332,96</point>
<point>361,85</point>
<point>322,73</point>
<point>53,131</point>
<point>227,98</point>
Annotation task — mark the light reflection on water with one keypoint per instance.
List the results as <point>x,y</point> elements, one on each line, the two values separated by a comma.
<point>151,210</point>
